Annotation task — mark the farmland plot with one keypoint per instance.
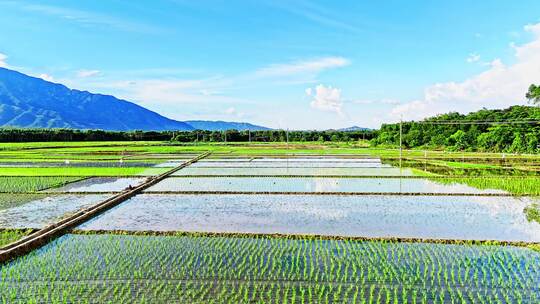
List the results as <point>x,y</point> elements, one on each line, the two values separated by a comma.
<point>434,239</point>
<point>115,268</point>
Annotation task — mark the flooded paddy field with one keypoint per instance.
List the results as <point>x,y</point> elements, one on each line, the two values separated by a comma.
<point>227,171</point>
<point>365,230</point>
<point>100,184</point>
<point>313,184</point>
<point>40,212</point>
<point>195,269</point>
<point>428,217</point>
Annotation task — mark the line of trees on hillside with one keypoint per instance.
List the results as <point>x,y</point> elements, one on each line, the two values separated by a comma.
<point>516,131</point>
<point>50,135</point>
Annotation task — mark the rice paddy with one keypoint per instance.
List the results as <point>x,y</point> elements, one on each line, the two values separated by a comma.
<point>11,184</point>
<point>114,268</point>
<point>270,223</point>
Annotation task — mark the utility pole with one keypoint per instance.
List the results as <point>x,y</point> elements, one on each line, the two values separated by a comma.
<point>225,136</point>
<point>400,140</point>
<point>249,135</point>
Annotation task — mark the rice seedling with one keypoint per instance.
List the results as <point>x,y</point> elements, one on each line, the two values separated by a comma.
<point>10,235</point>
<point>80,171</point>
<point>514,185</point>
<point>12,184</point>
<point>126,268</point>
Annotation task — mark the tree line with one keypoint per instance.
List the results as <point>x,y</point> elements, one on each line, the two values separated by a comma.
<point>50,135</point>
<point>515,130</point>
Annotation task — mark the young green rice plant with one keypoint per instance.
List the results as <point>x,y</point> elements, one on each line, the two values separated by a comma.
<point>15,184</point>
<point>515,185</point>
<point>10,235</point>
<point>128,268</point>
<point>80,171</point>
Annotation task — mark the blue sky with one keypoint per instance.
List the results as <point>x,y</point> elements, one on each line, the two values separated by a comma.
<point>283,64</point>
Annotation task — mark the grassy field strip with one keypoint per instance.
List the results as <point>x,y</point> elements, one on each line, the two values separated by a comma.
<point>306,237</point>
<point>80,171</point>
<point>43,236</point>
<point>31,184</point>
<point>332,193</point>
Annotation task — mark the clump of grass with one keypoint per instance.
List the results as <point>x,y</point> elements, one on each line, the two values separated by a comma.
<point>532,212</point>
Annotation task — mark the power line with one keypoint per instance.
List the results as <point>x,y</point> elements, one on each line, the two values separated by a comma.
<point>475,122</point>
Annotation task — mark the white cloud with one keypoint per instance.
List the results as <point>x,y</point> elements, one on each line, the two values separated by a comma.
<point>385,101</point>
<point>232,111</point>
<point>313,66</point>
<point>91,19</point>
<point>326,99</point>
<point>3,63</point>
<point>87,73</point>
<point>473,58</point>
<point>46,77</point>
<point>500,85</point>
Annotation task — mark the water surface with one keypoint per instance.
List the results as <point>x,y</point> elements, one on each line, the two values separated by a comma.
<point>314,184</point>
<point>44,211</point>
<point>445,217</point>
<point>100,184</point>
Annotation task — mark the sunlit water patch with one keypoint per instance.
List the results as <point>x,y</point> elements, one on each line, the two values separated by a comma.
<point>314,184</point>
<point>445,217</point>
<point>100,184</point>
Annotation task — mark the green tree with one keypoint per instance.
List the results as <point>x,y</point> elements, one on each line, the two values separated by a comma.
<point>533,94</point>
<point>458,140</point>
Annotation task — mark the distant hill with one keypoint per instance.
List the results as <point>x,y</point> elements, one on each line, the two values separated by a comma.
<point>29,102</point>
<point>224,125</point>
<point>354,128</point>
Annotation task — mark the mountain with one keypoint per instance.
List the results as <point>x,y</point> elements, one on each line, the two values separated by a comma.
<point>224,125</point>
<point>29,102</point>
<point>35,103</point>
<point>354,128</point>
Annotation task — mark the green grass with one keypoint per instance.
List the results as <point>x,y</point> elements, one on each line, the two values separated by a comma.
<point>165,269</point>
<point>8,236</point>
<point>464,165</point>
<point>80,171</point>
<point>32,183</point>
<point>117,150</point>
